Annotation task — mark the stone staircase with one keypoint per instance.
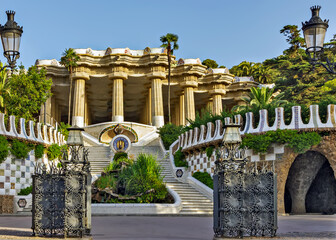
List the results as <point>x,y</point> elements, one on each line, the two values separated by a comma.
<point>193,202</point>
<point>99,157</point>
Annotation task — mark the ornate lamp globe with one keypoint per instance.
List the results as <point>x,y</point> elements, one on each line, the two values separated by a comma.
<point>11,37</point>
<point>75,137</point>
<point>314,32</point>
<point>232,134</point>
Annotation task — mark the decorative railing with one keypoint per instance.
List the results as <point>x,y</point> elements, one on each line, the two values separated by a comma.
<point>35,132</point>
<point>212,134</point>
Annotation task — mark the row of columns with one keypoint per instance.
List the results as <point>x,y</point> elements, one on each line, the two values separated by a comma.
<point>153,110</point>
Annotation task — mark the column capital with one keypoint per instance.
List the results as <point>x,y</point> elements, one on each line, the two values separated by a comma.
<point>193,84</point>
<point>217,92</point>
<point>117,75</point>
<point>154,75</point>
<point>80,75</point>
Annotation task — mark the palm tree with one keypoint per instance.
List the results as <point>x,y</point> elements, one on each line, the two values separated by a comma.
<point>69,60</point>
<point>167,41</point>
<point>4,88</point>
<point>261,98</point>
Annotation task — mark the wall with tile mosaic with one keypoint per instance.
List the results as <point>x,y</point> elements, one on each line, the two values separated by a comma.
<point>15,174</point>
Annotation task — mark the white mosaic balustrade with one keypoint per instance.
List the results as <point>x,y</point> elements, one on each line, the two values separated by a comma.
<point>45,134</point>
<point>193,141</point>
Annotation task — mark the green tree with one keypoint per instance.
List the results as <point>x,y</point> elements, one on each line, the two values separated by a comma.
<point>169,42</point>
<point>69,60</point>
<point>243,69</point>
<point>29,90</point>
<point>4,88</point>
<point>293,37</point>
<point>210,63</point>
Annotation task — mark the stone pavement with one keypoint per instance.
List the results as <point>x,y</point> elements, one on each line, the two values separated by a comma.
<point>172,227</point>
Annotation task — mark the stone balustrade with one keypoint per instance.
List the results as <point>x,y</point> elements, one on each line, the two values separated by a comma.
<point>212,134</point>
<point>34,132</point>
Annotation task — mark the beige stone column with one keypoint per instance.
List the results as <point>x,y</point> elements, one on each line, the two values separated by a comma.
<point>78,109</point>
<point>157,103</point>
<point>149,107</point>
<point>53,111</point>
<point>217,106</point>
<point>181,109</point>
<point>117,95</point>
<point>86,111</point>
<point>209,105</point>
<point>177,113</point>
<point>45,113</point>
<point>189,103</point>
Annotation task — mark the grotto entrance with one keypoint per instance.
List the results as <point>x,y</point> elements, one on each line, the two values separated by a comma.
<point>310,185</point>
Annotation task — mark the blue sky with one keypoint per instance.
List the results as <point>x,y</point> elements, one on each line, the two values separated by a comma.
<point>226,31</point>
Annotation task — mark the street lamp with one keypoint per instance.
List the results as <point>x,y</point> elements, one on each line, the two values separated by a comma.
<point>11,36</point>
<point>314,32</point>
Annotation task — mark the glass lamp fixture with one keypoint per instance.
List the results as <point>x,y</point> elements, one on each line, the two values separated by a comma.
<point>75,137</point>
<point>232,134</point>
<point>11,37</point>
<point>314,32</point>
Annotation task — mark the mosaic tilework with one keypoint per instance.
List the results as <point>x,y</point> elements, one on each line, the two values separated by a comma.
<point>15,174</point>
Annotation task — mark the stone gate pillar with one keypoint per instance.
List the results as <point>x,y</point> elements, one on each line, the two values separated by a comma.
<point>79,98</point>
<point>118,78</point>
<point>182,112</point>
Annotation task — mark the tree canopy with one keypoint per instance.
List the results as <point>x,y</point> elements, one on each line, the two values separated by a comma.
<point>210,63</point>
<point>293,75</point>
<point>28,91</point>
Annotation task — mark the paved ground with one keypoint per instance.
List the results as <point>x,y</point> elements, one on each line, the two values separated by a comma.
<point>177,228</point>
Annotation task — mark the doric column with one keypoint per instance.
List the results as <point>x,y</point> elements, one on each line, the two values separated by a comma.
<point>79,98</point>
<point>86,111</point>
<point>181,109</point>
<point>157,108</point>
<point>149,107</point>
<point>190,82</point>
<point>177,113</point>
<point>53,110</point>
<point>217,106</point>
<point>117,95</point>
<point>209,105</point>
<point>156,95</point>
<point>45,113</point>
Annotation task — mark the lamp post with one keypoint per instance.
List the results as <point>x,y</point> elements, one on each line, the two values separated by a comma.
<point>314,32</point>
<point>11,37</point>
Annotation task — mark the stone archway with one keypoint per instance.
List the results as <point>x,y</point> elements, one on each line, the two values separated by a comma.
<point>302,174</point>
<point>327,148</point>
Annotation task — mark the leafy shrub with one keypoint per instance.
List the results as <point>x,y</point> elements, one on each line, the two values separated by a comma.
<point>179,159</point>
<point>204,177</point>
<point>39,151</point>
<point>54,151</point>
<point>25,191</point>
<point>209,150</point>
<point>19,149</point>
<point>107,181</point>
<point>299,142</point>
<point>4,147</point>
<point>142,176</point>
<point>169,133</point>
<point>63,128</point>
<point>119,155</point>
<point>116,164</point>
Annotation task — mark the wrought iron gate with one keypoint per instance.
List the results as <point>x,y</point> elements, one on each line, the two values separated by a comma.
<point>62,197</point>
<point>245,203</point>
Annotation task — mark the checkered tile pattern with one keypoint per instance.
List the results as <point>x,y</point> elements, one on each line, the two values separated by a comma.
<point>15,174</point>
<point>199,162</point>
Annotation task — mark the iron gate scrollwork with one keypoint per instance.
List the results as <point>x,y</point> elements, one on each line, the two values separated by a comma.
<point>62,196</point>
<point>245,203</point>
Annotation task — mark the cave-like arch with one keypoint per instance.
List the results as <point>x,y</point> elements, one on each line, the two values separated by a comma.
<point>310,185</point>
